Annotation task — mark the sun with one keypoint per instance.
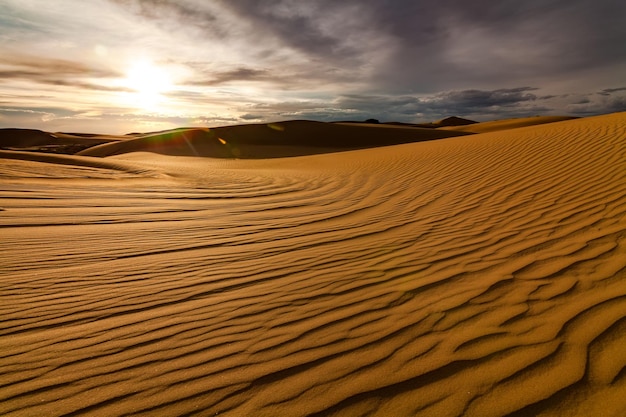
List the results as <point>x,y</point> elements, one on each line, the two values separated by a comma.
<point>147,82</point>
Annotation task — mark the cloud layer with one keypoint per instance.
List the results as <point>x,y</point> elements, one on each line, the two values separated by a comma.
<point>251,60</point>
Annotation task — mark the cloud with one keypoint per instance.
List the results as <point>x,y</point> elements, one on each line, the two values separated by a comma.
<point>480,41</point>
<point>192,14</point>
<point>111,121</point>
<point>53,71</point>
<point>484,104</point>
<point>54,66</point>
<point>45,78</point>
<point>473,103</point>
<point>322,28</point>
<point>324,40</point>
<point>608,91</point>
<point>237,74</point>
<point>23,117</point>
<point>257,60</point>
<point>400,45</point>
<point>473,100</point>
<point>593,104</point>
<point>294,78</point>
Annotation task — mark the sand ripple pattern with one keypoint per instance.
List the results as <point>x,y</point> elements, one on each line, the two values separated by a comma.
<point>476,276</point>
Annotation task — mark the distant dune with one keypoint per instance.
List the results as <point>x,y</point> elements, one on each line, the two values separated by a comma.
<point>482,275</point>
<point>453,121</point>
<point>497,125</point>
<point>448,121</point>
<point>17,157</point>
<point>24,138</point>
<point>291,138</point>
<point>37,140</point>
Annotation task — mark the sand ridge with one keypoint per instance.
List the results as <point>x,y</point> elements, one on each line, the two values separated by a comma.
<point>477,276</point>
<point>27,164</point>
<point>269,140</point>
<point>497,125</point>
<point>59,142</point>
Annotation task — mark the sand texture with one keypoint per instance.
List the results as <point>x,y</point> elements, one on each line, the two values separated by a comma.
<point>497,125</point>
<point>482,275</point>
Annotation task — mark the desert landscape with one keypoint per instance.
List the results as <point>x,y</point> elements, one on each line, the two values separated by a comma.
<point>320,269</point>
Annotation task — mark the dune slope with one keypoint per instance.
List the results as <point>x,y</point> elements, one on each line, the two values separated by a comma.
<point>475,276</point>
<point>253,141</point>
<point>37,140</point>
<point>497,125</point>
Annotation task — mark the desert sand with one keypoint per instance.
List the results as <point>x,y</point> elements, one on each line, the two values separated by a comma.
<point>477,275</point>
<point>506,124</point>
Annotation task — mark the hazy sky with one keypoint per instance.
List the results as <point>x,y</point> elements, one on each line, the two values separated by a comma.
<point>115,66</point>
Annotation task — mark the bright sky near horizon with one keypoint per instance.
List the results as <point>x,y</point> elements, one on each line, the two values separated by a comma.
<point>115,66</point>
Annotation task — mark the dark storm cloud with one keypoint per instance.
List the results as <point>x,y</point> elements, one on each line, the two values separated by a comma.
<point>616,104</point>
<point>427,46</point>
<point>609,91</point>
<point>283,44</point>
<point>480,99</point>
<point>463,103</point>
<point>513,102</point>
<point>453,43</point>
<point>598,105</point>
<point>263,60</point>
<point>305,26</point>
<point>612,90</point>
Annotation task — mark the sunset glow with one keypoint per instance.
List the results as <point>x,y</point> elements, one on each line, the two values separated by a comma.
<point>130,65</point>
<point>148,82</point>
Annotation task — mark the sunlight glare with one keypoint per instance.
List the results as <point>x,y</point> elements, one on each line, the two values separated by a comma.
<point>148,82</point>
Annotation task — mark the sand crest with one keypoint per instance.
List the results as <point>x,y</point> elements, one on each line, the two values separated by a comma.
<point>291,138</point>
<point>497,125</point>
<point>40,141</point>
<point>482,275</point>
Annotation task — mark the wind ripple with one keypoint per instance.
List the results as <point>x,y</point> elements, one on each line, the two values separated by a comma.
<point>478,276</point>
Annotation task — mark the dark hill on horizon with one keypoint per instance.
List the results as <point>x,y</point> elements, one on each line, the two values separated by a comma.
<point>289,138</point>
<point>35,140</point>
<point>454,121</point>
<point>446,122</point>
<point>265,140</point>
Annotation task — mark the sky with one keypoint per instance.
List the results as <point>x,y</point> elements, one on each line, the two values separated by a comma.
<point>120,66</point>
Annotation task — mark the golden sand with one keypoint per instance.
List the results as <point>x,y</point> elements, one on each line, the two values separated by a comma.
<point>482,275</point>
<point>497,125</point>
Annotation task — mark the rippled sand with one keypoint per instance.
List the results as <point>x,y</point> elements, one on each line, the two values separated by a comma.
<point>482,275</point>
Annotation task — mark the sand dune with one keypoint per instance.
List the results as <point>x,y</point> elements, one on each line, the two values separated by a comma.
<point>291,138</point>
<point>27,164</point>
<point>475,276</point>
<point>497,125</point>
<point>37,140</point>
<point>452,121</point>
